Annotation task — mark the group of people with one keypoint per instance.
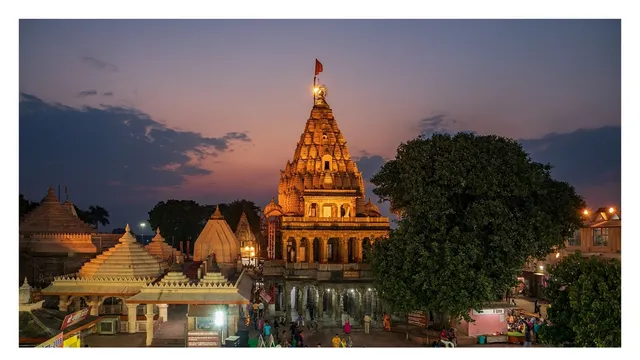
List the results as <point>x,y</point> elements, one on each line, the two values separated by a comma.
<point>529,327</point>
<point>254,312</point>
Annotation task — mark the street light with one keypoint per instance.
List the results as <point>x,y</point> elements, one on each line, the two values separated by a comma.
<point>611,210</point>
<point>218,318</point>
<point>142,225</point>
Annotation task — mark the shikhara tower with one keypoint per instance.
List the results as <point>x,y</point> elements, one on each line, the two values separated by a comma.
<point>321,207</point>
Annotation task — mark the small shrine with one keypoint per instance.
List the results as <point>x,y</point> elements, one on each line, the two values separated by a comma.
<point>52,228</point>
<point>160,249</point>
<point>248,243</point>
<point>217,238</point>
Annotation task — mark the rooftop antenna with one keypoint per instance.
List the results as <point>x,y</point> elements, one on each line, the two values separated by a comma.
<point>66,193</point>
<point>59,194</point>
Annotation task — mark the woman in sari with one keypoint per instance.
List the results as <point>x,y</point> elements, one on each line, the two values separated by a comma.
<point>386,320</point>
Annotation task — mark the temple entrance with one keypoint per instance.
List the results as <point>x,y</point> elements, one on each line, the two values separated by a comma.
<point>303,250</point>
<point>316,250</point>
<point>77,303</point>
<point>333,250</point>
<point>352,248</point>
<point>291,250</point>
<point>366,247</point>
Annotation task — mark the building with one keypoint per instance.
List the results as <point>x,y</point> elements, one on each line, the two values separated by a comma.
<point>54,241</point>
<point>320,226</point>
<point>249,245</point>
<point>217,239</point>
<point>601,235</point>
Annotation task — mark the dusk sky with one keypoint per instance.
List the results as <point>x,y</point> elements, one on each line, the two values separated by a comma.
<point>127,113</point>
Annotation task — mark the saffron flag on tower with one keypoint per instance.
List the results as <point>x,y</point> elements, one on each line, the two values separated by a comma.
<point>318,67</point>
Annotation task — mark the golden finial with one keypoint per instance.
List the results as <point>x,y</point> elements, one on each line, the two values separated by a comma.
<point>127,228</point>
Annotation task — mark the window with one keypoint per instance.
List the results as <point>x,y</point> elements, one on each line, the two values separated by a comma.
<point>574,240</point>
<point>326,165</point>
<point>600,236</point>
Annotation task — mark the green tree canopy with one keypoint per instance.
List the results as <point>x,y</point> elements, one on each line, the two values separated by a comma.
<point>184,219</point>
<point>585,296</point>
<point>95,216</point>
<point>474,209</point>
<point>27,205</point>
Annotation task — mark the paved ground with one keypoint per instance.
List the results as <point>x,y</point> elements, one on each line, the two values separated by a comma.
<point>378,338</point>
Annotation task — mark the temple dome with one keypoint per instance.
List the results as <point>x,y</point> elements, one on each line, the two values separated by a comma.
<point>52,217</point>
<point>175,275</point>
<point>125,259</point>
<point>217,238</point>
<point>272,207</point>
<point>159,248</point>
<point>371,210</point>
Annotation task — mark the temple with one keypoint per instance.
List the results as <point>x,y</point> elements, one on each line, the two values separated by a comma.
<point>249,246</point>
<point>54,241</point>
<point>320,226</point>
<point>217,238</point>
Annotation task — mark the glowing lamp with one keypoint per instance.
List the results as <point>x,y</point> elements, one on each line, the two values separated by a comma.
<point>557,255</point>
<point>218,318</point>
<point>246,248</point>
<point>253,253</point>
<point>142,224</point>
<point>611,210</point>
<point>585,212</point>
<point>316,89</point>
<point>252,248</point>
<point>541,267</point>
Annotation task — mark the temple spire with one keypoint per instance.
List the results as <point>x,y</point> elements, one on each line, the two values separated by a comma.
<point>217,214</point>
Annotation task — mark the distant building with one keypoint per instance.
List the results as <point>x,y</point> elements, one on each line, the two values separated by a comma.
<point>600,236</point>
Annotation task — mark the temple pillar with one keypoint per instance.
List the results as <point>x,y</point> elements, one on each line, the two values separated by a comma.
<point>344,251</point>
<point>94,305</point>
<point>131,317</point>
<point>287,302</point>
<point>162,309</point>
<point>309,250</point>
<point>296,246</point>
<point>362,291</point>
<point>359,255</point>
<point>77,303</point>
<point>284,241</point>
<point>62,304</point>
<point>324,244</point>
<point>321,291</point>
<point>234,316</point>
<point>149,316</point>
<point>305,299</point>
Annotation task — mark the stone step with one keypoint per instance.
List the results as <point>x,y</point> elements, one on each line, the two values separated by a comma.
<point>168,343</point>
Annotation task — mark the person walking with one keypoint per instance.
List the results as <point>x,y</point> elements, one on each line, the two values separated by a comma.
<point>267,329</point>
<point>367,324</point>
<point>536,307</point>
<point>347,327</point>
<point>261,309</point>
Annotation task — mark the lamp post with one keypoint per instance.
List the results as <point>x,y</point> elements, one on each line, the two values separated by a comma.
<point>218,322</point>
<point>142,226</point>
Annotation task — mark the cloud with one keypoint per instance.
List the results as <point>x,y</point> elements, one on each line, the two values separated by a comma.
<point>440,123</point>
<point>86,93</point>
<point>369,165</point>
<point>99,147</point>
<point>588,159</point>
<point>99,64</point>
<point>108,93</point>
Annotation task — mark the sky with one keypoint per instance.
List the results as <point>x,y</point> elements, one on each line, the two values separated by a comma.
<point>127,113</point>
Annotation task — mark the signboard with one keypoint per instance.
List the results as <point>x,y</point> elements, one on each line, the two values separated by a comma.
<point>75,318</point>
<point>418,318</point>
<point>350,274</point>
<point>73,342</point>
<point>266,297</point>
<point>55,342</point>
<point>199,338</point>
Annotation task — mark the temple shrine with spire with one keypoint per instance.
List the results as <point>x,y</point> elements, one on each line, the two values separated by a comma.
<point>319,227</point>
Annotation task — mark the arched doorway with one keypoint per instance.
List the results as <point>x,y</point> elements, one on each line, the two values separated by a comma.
<point>352,248</point>
<point>333,250</point>
<point>112,306</point>
<point>316,250</point>
<point>303,250</point>
<point>77,303</point>
<point>366,248</point>
<point>291,250</point>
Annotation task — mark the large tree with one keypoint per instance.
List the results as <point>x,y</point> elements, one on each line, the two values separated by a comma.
<point>94,216</point>
<point>585,296</point>
<point>27,205</point>
<point>474,210</point>
<point>179,220</point>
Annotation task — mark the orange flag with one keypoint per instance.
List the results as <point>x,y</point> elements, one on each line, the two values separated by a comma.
<point>318,67</point>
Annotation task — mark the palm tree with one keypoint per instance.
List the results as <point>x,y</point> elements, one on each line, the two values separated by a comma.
<point>98,215</point>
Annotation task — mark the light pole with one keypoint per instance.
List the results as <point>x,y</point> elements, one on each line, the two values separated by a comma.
<point>218,321</point>
<point>142,226</point>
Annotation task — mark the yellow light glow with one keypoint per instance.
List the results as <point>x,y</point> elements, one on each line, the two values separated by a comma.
<point>541,267</point>
<point>253,253</point>
<point>557,255</point>
<point>611,210</point>
<point>316,89</point>
<point>246,248</point>
<point>585,212</point>
<point>252,248</point>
